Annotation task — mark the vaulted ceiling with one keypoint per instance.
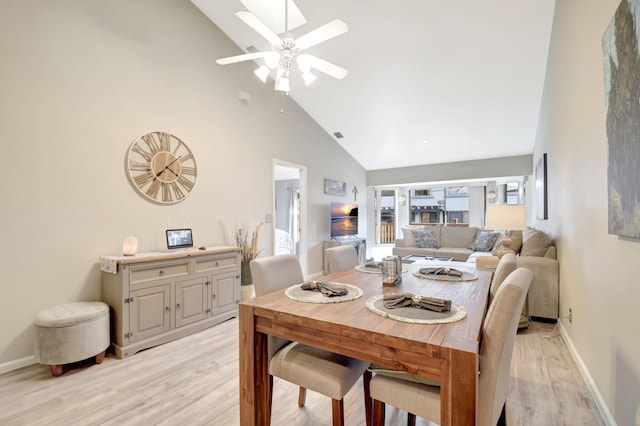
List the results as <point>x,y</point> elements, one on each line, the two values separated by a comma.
<point>429,81</point>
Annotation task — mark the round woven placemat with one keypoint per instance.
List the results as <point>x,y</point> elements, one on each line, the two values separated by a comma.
<point>416,315</point>
<point>363,268</point>
<point>310,296</point>
<point>466,276</point>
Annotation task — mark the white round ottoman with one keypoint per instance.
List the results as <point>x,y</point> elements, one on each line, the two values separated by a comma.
<point>70,333</point>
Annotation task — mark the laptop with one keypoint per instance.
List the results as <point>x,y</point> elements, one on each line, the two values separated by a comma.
<point>179,238</point>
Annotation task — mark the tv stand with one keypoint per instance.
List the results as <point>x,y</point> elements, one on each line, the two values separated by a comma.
<point>359,243</point>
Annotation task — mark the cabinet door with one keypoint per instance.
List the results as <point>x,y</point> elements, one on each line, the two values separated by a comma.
<point>191,301</point>
<point>225,292</point>
<point>149,312</point>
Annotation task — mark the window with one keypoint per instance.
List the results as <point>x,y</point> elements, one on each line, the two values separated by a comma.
<point>513,192</point>
<point>422,192</point>
<point>439,205</point>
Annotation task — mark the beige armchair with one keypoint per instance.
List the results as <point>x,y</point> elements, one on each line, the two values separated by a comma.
<point>321,371</point>
<point>341,258</point>
<point>499,333</point>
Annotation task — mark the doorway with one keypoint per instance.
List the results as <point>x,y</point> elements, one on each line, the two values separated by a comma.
<point>289,211</point>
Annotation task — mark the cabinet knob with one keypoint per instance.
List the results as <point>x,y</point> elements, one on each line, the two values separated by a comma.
<point>161,273</point>
<point>167,309</point>
<point>177,306</point>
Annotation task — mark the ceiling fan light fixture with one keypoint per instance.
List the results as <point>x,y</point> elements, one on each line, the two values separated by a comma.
<point>262,73</point>
<point>308,77</point>
<point>304,65</point>
<point>282,82</point>
<point>272,60</point>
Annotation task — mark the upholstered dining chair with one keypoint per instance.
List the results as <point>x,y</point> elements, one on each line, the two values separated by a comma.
<point>498,337</point>
<point>506,266</point>
<point>321,371</point>
<point>342,257</point>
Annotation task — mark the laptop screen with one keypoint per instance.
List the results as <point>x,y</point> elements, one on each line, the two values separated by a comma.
<point>178,238</point>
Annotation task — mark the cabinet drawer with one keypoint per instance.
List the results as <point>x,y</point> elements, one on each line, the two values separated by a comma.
<point>140,275</point>
<point>216,263</point>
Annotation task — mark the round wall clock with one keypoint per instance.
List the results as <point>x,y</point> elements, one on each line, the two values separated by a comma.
<point>161,167</point>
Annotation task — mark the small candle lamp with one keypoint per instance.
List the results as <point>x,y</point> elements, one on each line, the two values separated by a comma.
<point>129,246</point>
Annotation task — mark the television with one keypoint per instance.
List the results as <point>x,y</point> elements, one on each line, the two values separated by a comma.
<point>344,220</point>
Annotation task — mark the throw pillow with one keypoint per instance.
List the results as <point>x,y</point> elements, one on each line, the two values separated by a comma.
<point>425,238</point>
<point>409,241</point>
<point>534,243</point>
<point>484,241</point>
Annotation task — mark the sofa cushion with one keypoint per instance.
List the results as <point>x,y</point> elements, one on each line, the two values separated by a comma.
<point>425,238</point>
<point>534,243</point>
<point>484,241</point>
<point>407,235</point>
<point>454,236</point>
<point>516,242</point>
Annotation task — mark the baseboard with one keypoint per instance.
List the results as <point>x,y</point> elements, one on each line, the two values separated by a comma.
<point>602,410</point>
<point>6,367</point>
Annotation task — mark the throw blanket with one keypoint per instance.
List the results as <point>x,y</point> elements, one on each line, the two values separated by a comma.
<point>441,271</point>
<point>399,300</point>
<point>326,288</point>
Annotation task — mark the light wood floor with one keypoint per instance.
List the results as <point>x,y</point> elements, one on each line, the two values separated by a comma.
<point>194,381</point>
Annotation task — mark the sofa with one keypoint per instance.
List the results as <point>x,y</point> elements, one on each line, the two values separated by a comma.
<point>533,248</point>
<point>538,254</point>
<point>446,241</point>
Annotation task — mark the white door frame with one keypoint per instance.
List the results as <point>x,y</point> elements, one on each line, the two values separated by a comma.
<point>303,210</point>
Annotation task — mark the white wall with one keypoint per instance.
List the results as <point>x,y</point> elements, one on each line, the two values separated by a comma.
<point>79,81</point>
<point>598,277</point>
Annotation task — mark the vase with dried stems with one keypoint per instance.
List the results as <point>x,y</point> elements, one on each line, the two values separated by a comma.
<point>246,238</point>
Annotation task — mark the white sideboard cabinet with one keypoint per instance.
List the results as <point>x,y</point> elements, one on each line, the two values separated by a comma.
<point>159,297</point>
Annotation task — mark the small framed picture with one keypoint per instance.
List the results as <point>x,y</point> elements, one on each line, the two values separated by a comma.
<point>335,187</point>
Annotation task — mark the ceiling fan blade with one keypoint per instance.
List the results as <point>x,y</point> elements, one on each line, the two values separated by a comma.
<point>323,33</point>
<point>324,66</point>
<point>245,57</point>
<point>259,27</point>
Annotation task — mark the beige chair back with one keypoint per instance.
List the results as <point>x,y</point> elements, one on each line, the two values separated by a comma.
<point>341,258</point>
<point>506,266</point>
<point>498,338</point>
<point>275,273</point>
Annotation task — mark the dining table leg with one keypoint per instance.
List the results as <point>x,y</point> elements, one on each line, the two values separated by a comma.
<point>459,387</point>
<point>254,371</point>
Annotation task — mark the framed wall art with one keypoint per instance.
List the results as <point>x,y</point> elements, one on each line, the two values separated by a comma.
<point>622,103</point>
<point>541,188</point>
<point>335,187</point>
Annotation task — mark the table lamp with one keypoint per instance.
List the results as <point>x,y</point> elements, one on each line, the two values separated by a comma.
<point>507,217</point>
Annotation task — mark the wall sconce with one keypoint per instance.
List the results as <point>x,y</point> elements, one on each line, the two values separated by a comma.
<point>491,197</point>
<point>130,246</point>
<point>402,200</point>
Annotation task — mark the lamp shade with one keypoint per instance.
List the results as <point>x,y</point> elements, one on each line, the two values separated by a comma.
<point>507,217</point>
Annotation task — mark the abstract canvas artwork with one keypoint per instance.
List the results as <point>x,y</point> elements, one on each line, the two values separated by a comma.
<point>622,100</point>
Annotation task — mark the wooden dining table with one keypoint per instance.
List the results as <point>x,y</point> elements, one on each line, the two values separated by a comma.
<point>445,352</point>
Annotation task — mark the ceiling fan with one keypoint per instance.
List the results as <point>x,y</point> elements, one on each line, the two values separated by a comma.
<point>286,50</point>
